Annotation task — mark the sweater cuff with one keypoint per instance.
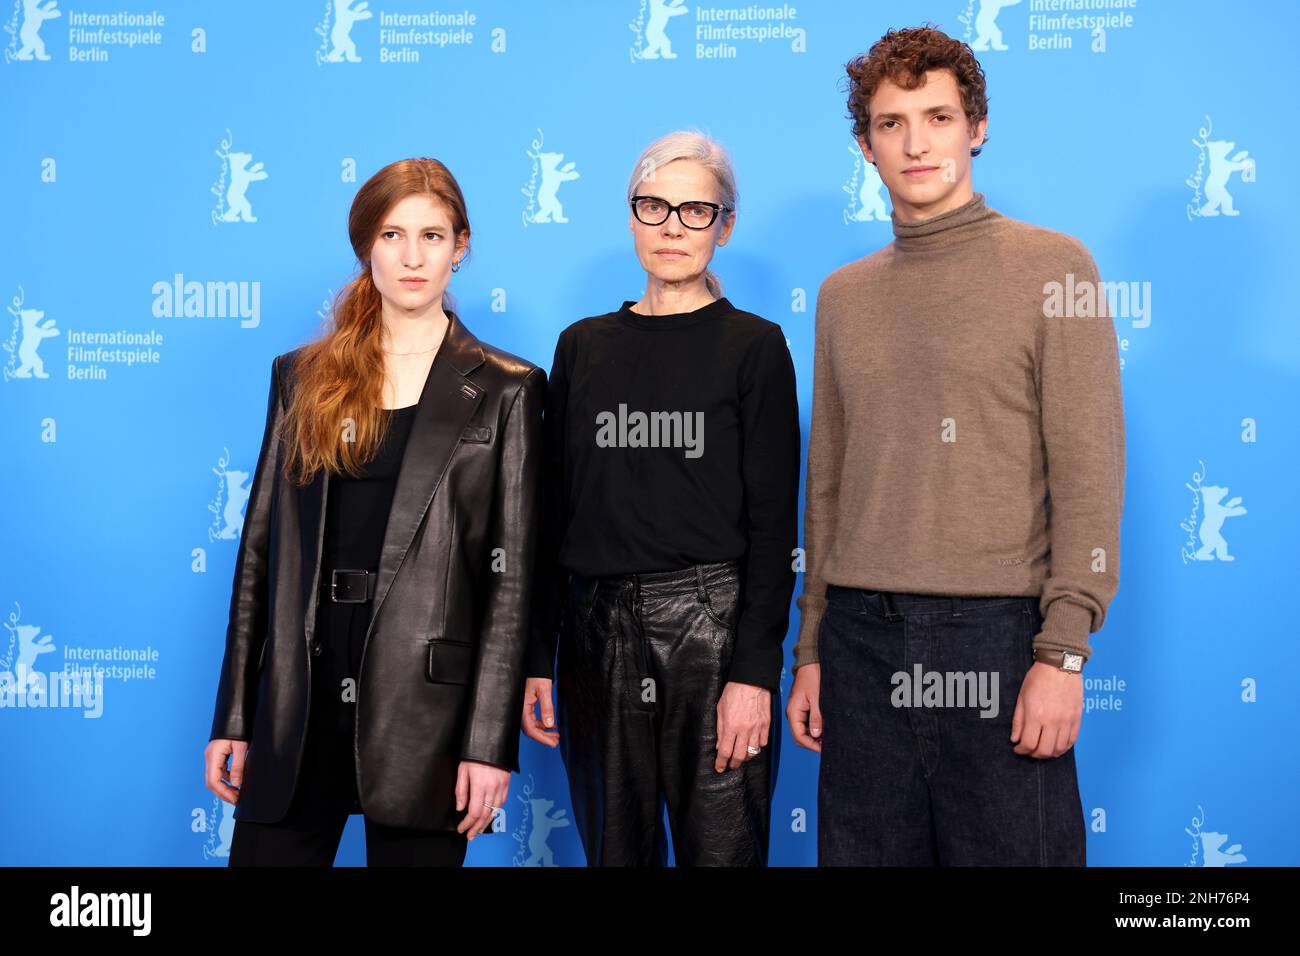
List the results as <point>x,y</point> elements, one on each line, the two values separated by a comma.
<point>811,609</point>
<point>539,655</point>
<point>756,670</point>
<point>1066,627</point>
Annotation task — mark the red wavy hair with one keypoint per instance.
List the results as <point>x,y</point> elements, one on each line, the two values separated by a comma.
<point>334,419</point>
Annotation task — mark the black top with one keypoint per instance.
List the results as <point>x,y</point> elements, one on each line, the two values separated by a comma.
<point>356,518</point>
<point>716,478</point>
<point>357,510</point>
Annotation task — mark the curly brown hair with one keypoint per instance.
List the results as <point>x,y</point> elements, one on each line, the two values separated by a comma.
<point>904,56</point>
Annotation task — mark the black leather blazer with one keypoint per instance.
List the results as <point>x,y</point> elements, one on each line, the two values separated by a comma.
<point>442,668</point>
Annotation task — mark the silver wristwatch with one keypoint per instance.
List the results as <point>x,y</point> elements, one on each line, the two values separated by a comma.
<point>1065,660</point>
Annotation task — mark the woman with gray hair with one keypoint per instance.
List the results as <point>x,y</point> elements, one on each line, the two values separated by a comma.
<point>664,575</point>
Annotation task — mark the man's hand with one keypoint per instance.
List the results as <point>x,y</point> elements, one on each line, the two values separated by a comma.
<point>214,759</point>
<point>744,716</point>
<point>803,710</point>
<point>479,784</point>
<point>1048,712</point>
<point>538,690</point>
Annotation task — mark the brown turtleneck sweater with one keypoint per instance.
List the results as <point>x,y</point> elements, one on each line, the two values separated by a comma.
<point>967,435</point>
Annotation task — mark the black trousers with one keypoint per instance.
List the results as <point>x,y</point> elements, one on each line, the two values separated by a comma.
<point>641,666</point>
<point>310,832</point>
<point>326,794</point>
<point>285,844</point>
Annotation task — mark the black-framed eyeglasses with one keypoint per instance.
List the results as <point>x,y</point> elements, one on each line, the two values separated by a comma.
<point>653,211</point>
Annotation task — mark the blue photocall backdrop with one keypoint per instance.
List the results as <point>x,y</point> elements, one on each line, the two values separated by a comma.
<point>176,194</point>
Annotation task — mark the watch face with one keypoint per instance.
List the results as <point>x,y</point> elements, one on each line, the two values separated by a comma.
<point>1072,662</point>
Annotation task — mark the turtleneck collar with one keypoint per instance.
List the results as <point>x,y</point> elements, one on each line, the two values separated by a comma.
<point>675,320</point>
<point>955,225</point>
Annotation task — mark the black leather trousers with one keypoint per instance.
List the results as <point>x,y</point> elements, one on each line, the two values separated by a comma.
<point>641,666</point>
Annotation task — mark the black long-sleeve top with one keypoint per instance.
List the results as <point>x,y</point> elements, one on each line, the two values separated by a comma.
<point>627,491</point>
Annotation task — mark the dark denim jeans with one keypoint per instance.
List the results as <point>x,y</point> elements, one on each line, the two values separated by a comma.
<point>934,785</point>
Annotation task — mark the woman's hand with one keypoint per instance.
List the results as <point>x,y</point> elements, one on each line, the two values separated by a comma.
<point>480,786</point>
<point>214,757</point>
<point>744,714</point>
<point>538,690</point>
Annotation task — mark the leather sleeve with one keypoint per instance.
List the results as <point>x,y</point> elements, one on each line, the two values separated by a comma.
<point>497,691</point>
<point>246,632</point>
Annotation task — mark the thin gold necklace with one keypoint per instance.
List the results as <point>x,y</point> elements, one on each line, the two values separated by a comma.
<point>425,351</point>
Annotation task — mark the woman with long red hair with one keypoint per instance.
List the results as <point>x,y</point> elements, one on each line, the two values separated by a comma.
<point>374,653</point>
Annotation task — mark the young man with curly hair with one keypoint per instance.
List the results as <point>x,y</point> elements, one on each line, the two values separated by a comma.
<point>965,482</point>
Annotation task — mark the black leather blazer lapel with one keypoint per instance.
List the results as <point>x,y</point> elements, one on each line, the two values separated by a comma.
<point>447,403</point>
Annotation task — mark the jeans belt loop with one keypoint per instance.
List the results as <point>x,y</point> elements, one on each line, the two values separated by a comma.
<point>700,591</point>
<point>956,607</point>
<point>891,610</point>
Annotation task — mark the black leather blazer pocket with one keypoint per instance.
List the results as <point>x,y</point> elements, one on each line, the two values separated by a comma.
<point>476,433</point>
<point>450,662</point>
